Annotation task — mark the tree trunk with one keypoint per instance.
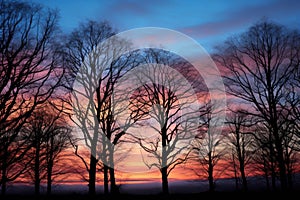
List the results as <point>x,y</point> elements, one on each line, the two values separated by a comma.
<point>92,175</point>
<point>240,151</point>
<point>289,168</point>
<point>272,162</point>
<point>210,174</point>
<point>50,166</point>
<point>282,168</point>
<point>266,173</point>
<point>244,179</point>
<point>49,179</point>
<point>37,180</point>
<point>3,186</point>
<point>164,169</point>
<point>105,179</point>
<point>4,171</point>
<point>113,185</point>
<point>236,178</point>
<point>279,148</point>
<point>165,184</point>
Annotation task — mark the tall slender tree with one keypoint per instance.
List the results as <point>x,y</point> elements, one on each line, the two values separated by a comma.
<point>165,100</point>
<point>208,146</point>
<point>98,66</point>
<point>49,134</point>
<point>241,143</point>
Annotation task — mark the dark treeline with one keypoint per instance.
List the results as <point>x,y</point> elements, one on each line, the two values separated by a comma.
<point>54,85</point>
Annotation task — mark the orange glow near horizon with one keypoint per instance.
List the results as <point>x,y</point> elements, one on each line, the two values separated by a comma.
<point>138,172</point>
<point>180,173</point>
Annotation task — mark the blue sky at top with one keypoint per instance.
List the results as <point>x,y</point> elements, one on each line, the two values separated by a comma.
<point>208,22</point>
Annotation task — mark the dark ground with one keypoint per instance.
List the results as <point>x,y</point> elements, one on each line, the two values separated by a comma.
<point>202,195</point>
<point>186,191</point>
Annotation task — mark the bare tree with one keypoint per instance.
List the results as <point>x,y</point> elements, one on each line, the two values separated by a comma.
<point>48,136</point>
<point>290,118</point>
<point>264,157</point>
<point>58,140</point>
<point>98,66</point>
<point>14,159</point>
<point>166,102</point>
<point>258,66</point>
<point>30,71</point>
<point>208,149</point>
<point>80,44</point>
<point>240,142</point>
<point>290,144</point>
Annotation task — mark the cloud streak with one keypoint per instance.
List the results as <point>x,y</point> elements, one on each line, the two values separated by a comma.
<point>236,20</point>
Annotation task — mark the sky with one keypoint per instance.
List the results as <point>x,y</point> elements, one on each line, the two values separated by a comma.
<point>208,22</point>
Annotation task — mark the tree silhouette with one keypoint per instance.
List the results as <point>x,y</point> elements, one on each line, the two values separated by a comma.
<point>240,142</point>
<point>30,74</point>
<point>166,103</point>
<point>48,135</point>
<point>208,149</point>
<point>258,66</point>
<point>98,67</point>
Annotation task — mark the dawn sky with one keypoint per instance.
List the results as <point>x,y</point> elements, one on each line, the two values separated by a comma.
<point>160,116</point>
<point>208,22</point>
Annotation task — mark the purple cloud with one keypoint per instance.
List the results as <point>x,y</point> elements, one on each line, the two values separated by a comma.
<point>230,22</point>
